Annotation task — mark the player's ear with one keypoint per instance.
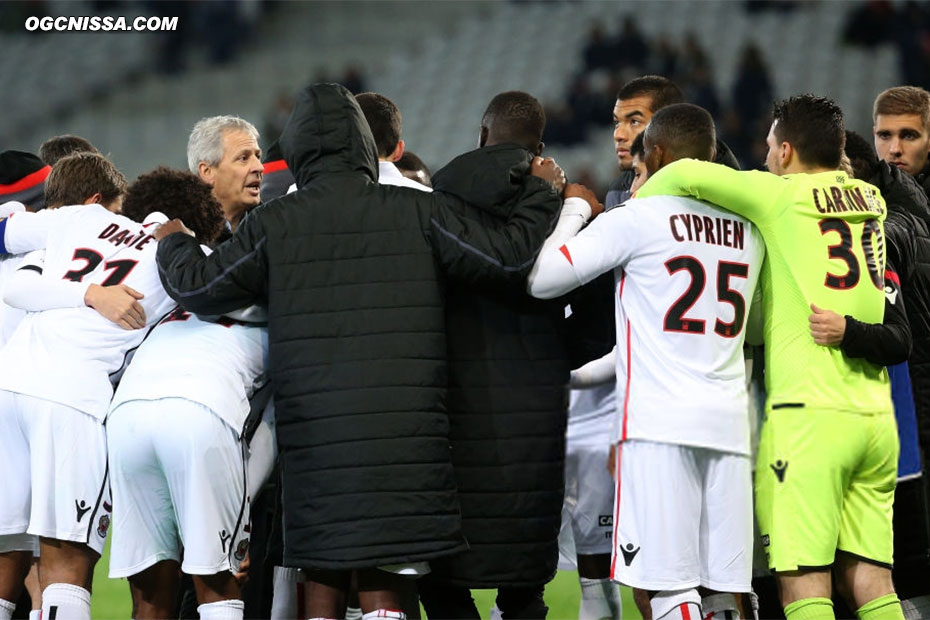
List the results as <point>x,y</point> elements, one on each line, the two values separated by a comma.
<point>398,151</point>
<point>482,136</point>
<point>205,172</point>
<point>94,199</point>
<point>786,154</point>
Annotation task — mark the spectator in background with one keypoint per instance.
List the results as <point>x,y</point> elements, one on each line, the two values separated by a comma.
<point>276,117</point>
<point>599,52</point>
<point>701,91</point>
<point>869,23</point>
<point>752,89</point>
<point>55,148</point>
<point>631,49</point>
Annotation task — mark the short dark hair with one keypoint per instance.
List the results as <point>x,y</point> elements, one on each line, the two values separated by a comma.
<point>814,127</point>
<point>409,162</point>
<point>384,119</point>
<point>660,90</point>
<point>177,194</point>
<point>638,146</point>
<point>862,156</point>
<point>516,117</point>
<point>54,149</point>
<point>683,129</point>
<point>79,176</point>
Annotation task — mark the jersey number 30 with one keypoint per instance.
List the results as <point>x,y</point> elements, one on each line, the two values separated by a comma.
<point>121,268</point>
<point>675,319</point>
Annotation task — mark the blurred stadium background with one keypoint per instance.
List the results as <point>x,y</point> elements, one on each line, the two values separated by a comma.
<point>136,95</point>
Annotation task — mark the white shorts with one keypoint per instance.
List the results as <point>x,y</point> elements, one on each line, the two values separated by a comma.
<point>588,509</point>
<point>683,518</point>
<point>60,489</point>
<point>179,482</point>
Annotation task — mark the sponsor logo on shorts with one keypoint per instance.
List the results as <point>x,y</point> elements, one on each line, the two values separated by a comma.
<point>103,525</point>
<point>605,520</point>
<point>629,553</point>
<point>765,540</point>
<point>241,549</point>
<point>224,538</point>
<point>779,467</point>
<point>81,509</point>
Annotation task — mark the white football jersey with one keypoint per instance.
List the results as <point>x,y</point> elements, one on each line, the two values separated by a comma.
<point>217,364</point>
<point>67,355</point>
<point>9,316</point>
<point>685,275</point>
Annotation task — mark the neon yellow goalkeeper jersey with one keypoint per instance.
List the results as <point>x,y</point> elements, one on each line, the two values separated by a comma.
<point>825,246</point>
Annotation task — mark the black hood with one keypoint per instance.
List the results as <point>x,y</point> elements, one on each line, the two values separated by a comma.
<point>490,178</point>
<point>901,191</point>
<point>327,132</point>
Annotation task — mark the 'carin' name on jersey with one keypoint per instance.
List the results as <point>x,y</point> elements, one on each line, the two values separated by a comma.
<point>842,199</point>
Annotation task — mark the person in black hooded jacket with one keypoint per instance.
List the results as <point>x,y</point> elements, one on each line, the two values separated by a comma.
<point>509,364</point>
<point>351,272</point>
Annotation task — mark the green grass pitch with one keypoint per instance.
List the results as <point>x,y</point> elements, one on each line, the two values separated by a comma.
<point>110,599</point>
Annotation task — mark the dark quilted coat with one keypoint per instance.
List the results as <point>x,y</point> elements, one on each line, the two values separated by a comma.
<point>508,402</point>
<point>909,218</point>
<point>352,275</point>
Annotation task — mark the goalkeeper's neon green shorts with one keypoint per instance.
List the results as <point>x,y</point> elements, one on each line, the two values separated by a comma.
<point>824,482</point>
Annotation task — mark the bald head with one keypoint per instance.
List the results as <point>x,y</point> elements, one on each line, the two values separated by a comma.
<point>513,117</point>
<point>678,131</point>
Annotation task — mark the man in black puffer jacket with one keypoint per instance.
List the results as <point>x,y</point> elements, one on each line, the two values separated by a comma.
<point>351,272</point>
<point>907,231</point>
<point>508,399</point>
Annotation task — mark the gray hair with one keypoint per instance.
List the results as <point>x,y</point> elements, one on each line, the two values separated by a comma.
<point>206,141</point>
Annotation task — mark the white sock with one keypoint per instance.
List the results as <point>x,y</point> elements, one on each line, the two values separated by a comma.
<point>63,601</point>
<point>600,598</point>
<point>720,606</point>
<point>6,609</point>
<point>916,607</point>
<point>354,613</point>
<point>230,609</point>
<point>285,592</point>
<point>35,614</point>
<point>394,614</point>
<point>676,605</point>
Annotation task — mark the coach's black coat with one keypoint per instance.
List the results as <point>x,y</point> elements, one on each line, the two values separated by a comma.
<point>508,404</point>
<point>351,272</point>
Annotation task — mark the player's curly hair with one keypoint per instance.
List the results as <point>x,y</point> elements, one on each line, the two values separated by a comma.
<point>177,194</point>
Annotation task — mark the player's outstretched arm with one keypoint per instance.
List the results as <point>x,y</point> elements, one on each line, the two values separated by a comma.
<point>596,372</point>
<point>748,193</point>
<point>235,275</point>
<point>501,254</point>
<point>28,290</point>
<point>552,274</point>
